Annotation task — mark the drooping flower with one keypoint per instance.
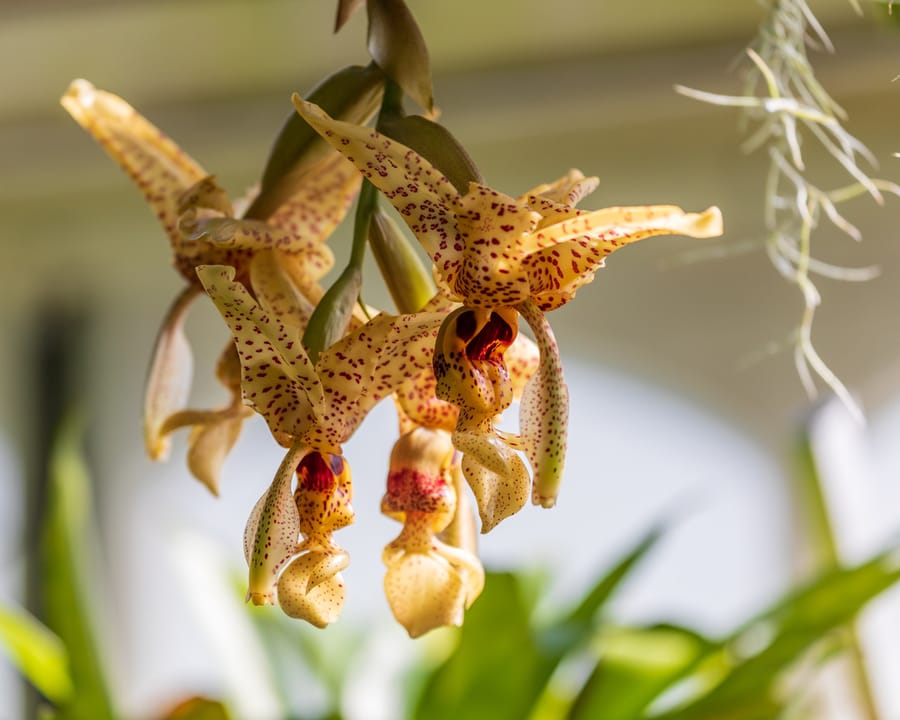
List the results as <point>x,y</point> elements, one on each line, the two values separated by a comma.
<point>311,409</point>
<point>429,582</point>
<point>501,257</point>
<point>279,258</point>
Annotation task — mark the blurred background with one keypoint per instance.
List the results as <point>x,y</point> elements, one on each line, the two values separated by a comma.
<point>685,401</point>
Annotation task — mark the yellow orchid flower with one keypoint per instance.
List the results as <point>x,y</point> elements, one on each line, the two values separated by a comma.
<point>312,409</point>
<point>280,258</point>
<point>501,257</point>
<point>429,582</point>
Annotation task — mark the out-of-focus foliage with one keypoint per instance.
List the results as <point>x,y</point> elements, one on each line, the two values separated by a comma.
<point>37,652</point>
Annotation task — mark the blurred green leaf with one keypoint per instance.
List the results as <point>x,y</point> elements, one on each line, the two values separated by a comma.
<point>330,319</point>
<point>396,44</point>
<point>434,143</point>
<point>36,652</point>
<point>66,584</point>
<point>489,674</point>
<point>635,666</point>
<point>503,664</point>
<point>352,94</point>
<point>758,654</point>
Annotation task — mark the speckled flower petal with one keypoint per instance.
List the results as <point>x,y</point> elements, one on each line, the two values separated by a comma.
<point>319,603</point>
<point>279,381</point>
<point>270,538</point>
<point>522,359</point>
<point>417,400</point>
<point>169,379</point>
<point>567,190</point>
<point>544,413</point>
<point>370,363</point>
<point>320,203</point>
<point>424,591</point>
<point>484,268</point>
<point>496,474</point>
<point>557,271</point>
<point>469,567</point>
<point>276,290</point>
<point>422,195</point>
<point>160,169</point>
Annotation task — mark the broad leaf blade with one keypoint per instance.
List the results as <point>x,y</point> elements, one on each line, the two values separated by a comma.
<point>396,44</point>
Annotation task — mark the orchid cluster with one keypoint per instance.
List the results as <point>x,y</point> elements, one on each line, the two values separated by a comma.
<point>313,362</point>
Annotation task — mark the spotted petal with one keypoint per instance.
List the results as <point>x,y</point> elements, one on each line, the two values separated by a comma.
<point>319,603</point>
<point>424,591</point>
<point>566,191</point>
<point>422,195</point>
<point>157,165</point>
<point>320,203</point>
<point>270,538</point>
<point>544,413</point>
<point>371,363</point>
<point>571,251</point>
<point>279,381</point>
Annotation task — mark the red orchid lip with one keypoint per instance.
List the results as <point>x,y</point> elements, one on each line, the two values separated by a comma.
<point>484,345</point>
<point>315,474</point>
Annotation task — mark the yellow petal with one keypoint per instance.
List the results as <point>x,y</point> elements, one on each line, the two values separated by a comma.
<point>169,379</point>
<point>469,567</point>
<point>424,592</point>
<point>496,474</point>
<point>522,359</point>
<point>208,446</point>
<point>319,205</point>
<point>270,538</point>
<point>567,190</point>
<point>483,269</point>
<point>370,364</point>
<point>422,195</point>
<point>319,605</point>
<point>544,413</point>
<point>158,166</point>
<point>416,398</point>
<point>279,381</point>
<point>276,290</point>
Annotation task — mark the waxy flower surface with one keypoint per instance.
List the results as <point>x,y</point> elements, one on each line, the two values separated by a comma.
<point>501,257</point>
<point>280,257</point>
<point>312,409</point>
<point>429,582</point>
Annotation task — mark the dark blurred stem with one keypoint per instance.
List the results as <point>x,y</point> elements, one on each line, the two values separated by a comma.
<point>823,541</point>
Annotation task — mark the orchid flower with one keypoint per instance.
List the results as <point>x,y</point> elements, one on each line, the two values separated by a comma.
<point>502,257</point>
<point>312,409</point>
<point>429,582</point>
<point>281,258</point>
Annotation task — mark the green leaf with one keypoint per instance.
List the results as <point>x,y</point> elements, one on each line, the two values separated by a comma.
<point>353,95</point>
<point>66,582</point>
<point>754,658</point>
<point>36,652</point>
<point>489,675</point>
<point>563,636</point>
<point>635,666</point>
<point>396,44</point>
<point>436,144</point>
<point>503,664</point>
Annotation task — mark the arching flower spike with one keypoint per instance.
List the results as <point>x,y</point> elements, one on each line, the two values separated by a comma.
<point>280,259</point>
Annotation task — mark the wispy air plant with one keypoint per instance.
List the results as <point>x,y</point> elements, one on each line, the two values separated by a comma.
<point>785,107</point>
